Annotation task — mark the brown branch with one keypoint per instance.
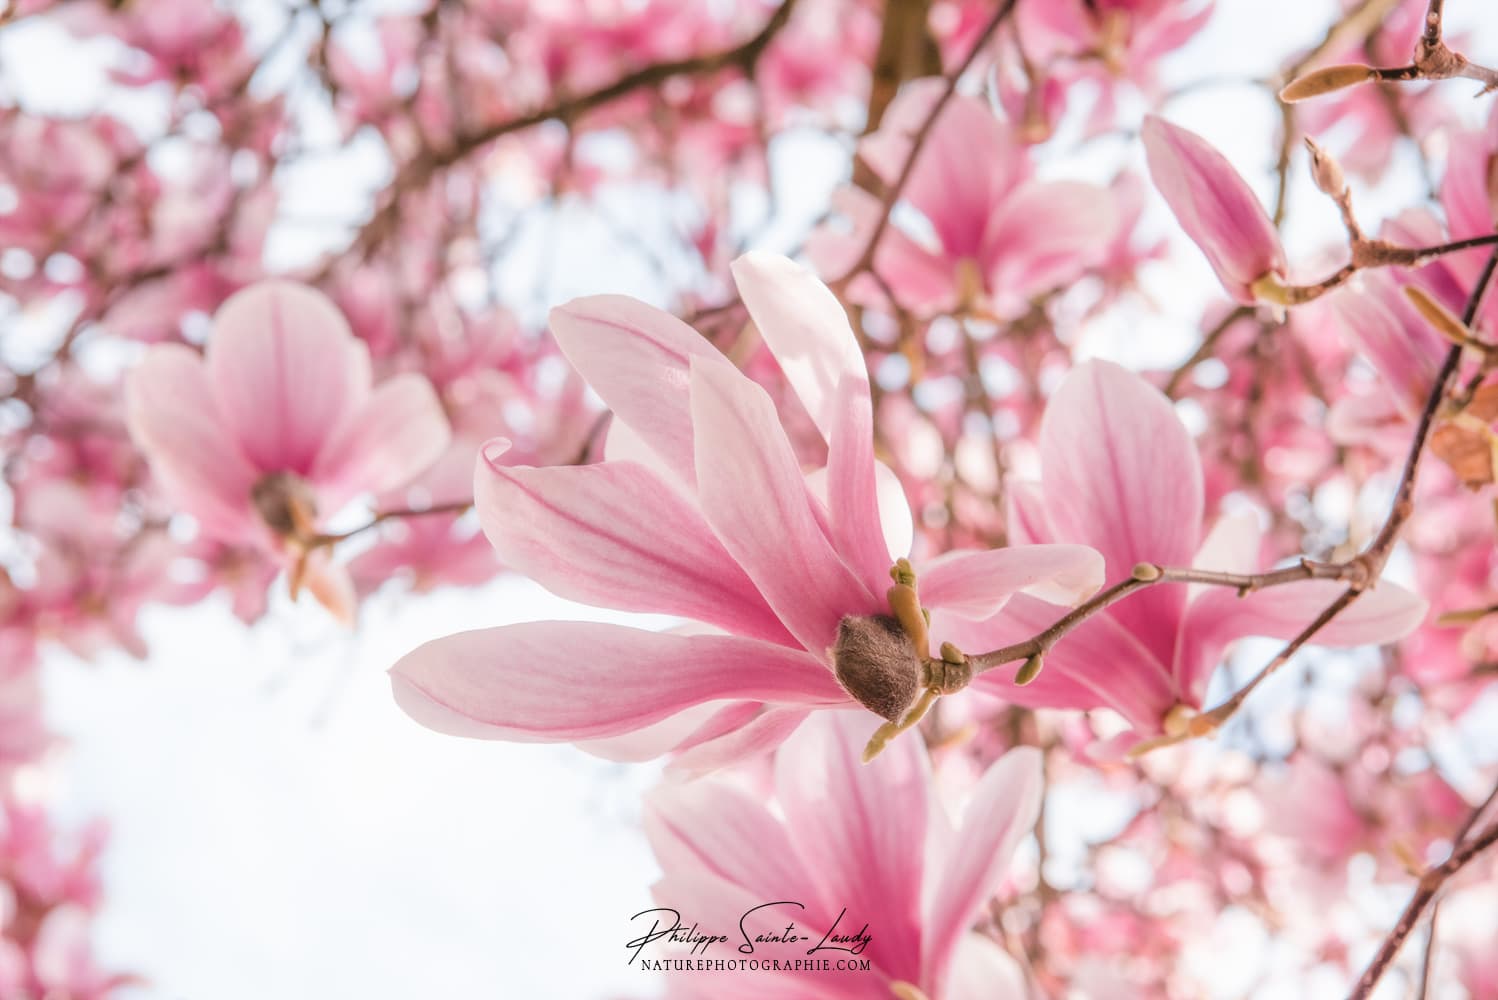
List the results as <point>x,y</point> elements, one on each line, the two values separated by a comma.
<point>1366,255</point>
<point>454,507</point>
<point>1359,572</point>
<point>1425,892</point>
<point>1205,348</point>
<point>1403,506</point>
<point>1148,575</point>
<point>420,169</point>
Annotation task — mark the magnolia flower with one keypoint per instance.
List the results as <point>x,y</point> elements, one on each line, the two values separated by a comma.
<point>277,426</point>
<point>1119,472</point>
<point>702,512</point>
<point>1001,236</point>
<point>860,848</point>
<point>1216,208</point>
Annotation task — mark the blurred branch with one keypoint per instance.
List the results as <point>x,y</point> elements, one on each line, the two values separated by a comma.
<point>1431,883</point>
<point>421,168</point>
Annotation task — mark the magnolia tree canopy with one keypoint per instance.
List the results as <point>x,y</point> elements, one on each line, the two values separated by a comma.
<point>959,381</point>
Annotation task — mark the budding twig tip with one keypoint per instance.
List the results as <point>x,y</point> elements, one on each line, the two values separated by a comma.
<point>1029,670</point>
<point>1146,572</point>
<point>1325,81</point>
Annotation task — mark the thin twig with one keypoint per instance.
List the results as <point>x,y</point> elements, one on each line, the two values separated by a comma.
<point>865,258</point>
<point>1425,892</point>
<point>418,170</point>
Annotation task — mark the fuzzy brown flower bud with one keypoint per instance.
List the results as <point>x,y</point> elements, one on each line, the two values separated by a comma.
<point>876,664</point>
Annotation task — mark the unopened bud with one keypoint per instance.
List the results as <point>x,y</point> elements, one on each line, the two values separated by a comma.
<point>875,663</point>
<point>1029,670</point>
<point>1325,81</point>
<point>1326,171</point>
<point>1446,323</point>
<point>1146,572</point>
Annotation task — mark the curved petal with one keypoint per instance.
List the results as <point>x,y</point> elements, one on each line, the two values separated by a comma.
<point>768,729</point>
<point>807,330</point>
<point>977,584</point>
<point>173,418</point>
<point>1003,810</point>
<point>1214,205</point>
<point>718,828</point>
<point>637,358</point>
<point>861,829</point>
<point>559,681</point>
<point>855,513</point>
<point>1027,521</point>
<point>615,535</point>
<point>1383,614</point>
<point>397,434</point>
<point>753,495</point>
<point>658,738</point>
<point>1121,474</point>
<point>286,369</point>
<point>981,970</point>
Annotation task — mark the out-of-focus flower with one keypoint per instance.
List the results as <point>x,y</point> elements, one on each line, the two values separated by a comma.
<point>702,511</point>
<point>278,426</point>
<point>1001,236</point>
<point>857,846</point>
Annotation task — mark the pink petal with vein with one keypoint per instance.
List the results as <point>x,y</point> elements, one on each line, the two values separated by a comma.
<point>753,495</point>
<point>616,535</point>
<point>175,421</point>
<point>562,681</point>
<point>1121,474</point>
<point>284,368</point>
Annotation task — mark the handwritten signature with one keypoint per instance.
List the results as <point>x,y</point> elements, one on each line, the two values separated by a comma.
<point>667,926</point>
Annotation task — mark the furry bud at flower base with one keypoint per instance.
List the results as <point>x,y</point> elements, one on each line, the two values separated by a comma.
<point>1326,171</point>
<point>1325,81</point>
<point>876,664</point>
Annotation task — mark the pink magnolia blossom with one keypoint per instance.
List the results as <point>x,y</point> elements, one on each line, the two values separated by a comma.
<point>1001,235</point>
<point>857,846</point>
<point>1128,37</point>
<point>701,511</point>
<point>1119,472</point>
<point>1214,206</point>
<point>277,425</point>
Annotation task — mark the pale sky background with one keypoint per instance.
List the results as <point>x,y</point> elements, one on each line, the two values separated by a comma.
<point>281,830</point>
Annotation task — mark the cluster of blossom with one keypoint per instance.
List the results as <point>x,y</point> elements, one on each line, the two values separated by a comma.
<point>937,575</point>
